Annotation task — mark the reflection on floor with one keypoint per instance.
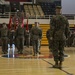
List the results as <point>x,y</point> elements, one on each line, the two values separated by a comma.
<point>28,53</point>
<point>42,66</point>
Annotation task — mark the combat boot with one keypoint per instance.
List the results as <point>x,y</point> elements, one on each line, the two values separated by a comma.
<point>60,65</point>
<point>56,64</point>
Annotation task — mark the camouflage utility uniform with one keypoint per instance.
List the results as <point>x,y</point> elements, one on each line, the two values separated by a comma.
<point>4,38</point>
<point>20,36</point>
<point>36,35</point>
<point>60,31</point>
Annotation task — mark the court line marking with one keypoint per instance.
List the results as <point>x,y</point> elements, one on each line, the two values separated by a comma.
<point>58,68</point>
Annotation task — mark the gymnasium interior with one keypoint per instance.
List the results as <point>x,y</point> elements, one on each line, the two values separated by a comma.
<point>38,11</point>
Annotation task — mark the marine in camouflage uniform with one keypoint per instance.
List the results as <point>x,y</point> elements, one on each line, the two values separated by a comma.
<point>36,36</point>
<point>20,37</point>
<point>4,38</point>
<point>60,32</point>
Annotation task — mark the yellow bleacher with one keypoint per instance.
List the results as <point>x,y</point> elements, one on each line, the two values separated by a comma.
<point>33,10</point>
<point>45,27</point>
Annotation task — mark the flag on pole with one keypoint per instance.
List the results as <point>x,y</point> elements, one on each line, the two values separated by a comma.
<point>22,22</point>
<point>10,22</point>
<point>27,35</point>
<point>17,22</point>
<point>27,25</point>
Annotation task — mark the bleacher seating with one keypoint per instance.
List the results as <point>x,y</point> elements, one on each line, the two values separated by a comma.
<point>3,11</point>
<point>32,14</point>
<point>48,8</point>
<point>33,10</point>
<point>44,27</point>
<point>15,6</point>
<point>26,10</point>
<point>21,8</point>
<point>40,11</point>
<point>57,3</point>
<point>7,8</point>
<point>36,11</point>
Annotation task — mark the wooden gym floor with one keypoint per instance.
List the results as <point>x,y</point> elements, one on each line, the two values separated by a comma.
<point>37,66</point>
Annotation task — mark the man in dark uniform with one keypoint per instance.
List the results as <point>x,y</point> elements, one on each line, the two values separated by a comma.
<point>20,36</point>
<point>4,38</point>
<point>60,32</point>
<point>36,36</point>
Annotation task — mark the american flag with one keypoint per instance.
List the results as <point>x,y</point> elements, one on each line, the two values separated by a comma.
<point>17,21</point>
<point>22,22</point>
<point>10,22</point>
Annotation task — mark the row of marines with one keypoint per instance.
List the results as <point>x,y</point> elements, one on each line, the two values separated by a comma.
<point>19,35</point>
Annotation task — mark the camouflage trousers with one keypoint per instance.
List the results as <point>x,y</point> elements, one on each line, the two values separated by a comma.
<point>36,46</point>
<point>27,41</point>
<point>58,50</point>
<point>4,44</point>
<point>20,44</point>
<point>50,43</point>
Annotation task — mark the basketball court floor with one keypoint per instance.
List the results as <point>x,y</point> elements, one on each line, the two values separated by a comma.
<point>26,64</point>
